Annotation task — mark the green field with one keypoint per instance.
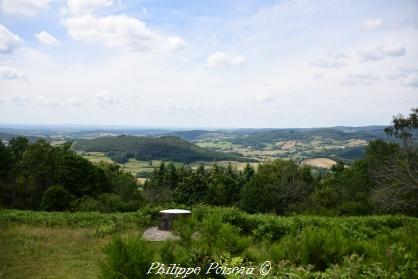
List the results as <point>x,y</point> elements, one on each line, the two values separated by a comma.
<point>58,245</point>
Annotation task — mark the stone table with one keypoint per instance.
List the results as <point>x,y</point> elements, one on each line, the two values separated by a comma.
<point>169,215</point>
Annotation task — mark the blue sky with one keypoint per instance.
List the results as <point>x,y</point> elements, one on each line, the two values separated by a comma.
<point>207,63</point>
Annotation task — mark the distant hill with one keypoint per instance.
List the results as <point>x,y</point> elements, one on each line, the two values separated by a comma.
<point>122,148</point>
<point>8,137</point>
<point>260,139</point>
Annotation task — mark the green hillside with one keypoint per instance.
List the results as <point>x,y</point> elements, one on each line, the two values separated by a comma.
<point>122,148</point>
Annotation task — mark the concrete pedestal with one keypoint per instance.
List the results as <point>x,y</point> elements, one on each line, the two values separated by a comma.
<point>169,215</point>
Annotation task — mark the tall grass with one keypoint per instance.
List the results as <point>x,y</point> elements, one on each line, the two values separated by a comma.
<point>310,247</point>
<point>304,246</point>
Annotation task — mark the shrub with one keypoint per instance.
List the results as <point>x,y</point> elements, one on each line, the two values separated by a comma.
<point>129,258</point>
<point>56,198</point>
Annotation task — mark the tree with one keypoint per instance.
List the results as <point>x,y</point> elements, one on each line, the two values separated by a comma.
<point>394,171</point>
<point>193,188</point>
<point>159,187</point>
<point>18,146</point>
<point>276,187</point>
<point>394,168</point>
<point>224,186</point>
<point>405,128</point>
<point>344,192</point>
<point>56,198</point>
<point>248,173</point>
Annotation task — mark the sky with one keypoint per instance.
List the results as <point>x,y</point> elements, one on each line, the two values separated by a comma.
<point>225,64</point>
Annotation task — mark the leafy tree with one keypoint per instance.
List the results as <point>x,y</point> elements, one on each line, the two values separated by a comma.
<point>394,168</point>
<point>193,188</point>
<point>18,146</point>
<point>224,186</point>
<point>276,187</point>
<point>338,167</point>
<point>28,171</point>
<point>6,162</point>
<point>248,173</point>
<point>158,188</point>
<point>405,128</point>
<point>394,171</point>
<point>345,192</point>
<point>56,198</point>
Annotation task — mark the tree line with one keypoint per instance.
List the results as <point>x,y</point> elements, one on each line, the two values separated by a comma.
<point>385,181</point>
<point>39,176</point>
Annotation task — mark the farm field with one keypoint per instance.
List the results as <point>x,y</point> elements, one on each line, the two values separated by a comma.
<point>142,168</point>
<point>294,149</point>
<point>319,162</point>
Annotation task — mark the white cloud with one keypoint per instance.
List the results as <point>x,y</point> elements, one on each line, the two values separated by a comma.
<point>376,53</point>
<point>47,39</point>
<point>222,59</point>
<point>106,97</point>
<point>336,61</point>
<point>408,77</point>
<point>360,79</point>
<point>119,31</point>
<point>264,98</point>
<point>373,23</point>
<point>11,73</point>
<point>23,7</point>
<point>410,80</point>
<point>8,40</point>
<point>318,76</point>
<point>179,105</point>
<point>87,6</point>
<point>51,102</point>
<point>17,100</point>
<point>74,101</point>
<point>133,95</point>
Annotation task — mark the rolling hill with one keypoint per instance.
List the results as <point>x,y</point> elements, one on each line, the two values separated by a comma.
<point>122,148</point>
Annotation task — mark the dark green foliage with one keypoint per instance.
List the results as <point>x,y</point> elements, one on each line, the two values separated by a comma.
<point>170,148</point>
<point>217,185</point>
<point>394,171</point>
<point>130,258</point>
<point>313,246</point>
<point>56,198</point>
<point>193,188</point>
<point>346,192</point>
<point>276,187</point>
<point>33,171</point>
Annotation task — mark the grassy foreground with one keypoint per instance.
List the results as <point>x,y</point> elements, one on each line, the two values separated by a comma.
<point>60,244</point>
<point>71,245</point>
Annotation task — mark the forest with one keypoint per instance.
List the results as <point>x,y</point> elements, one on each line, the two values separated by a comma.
<point>122,148</point>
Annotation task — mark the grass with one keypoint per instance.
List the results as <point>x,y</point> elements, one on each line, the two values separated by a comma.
<point>61,244</point>
<point>70,245</point>
<point>45,252</point>
<point>96,157</point>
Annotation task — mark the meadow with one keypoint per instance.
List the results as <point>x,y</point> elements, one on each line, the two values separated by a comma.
<point>92,245</point>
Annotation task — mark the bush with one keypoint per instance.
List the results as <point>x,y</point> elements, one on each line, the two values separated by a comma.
<point>56,198</point>
<point>129,258</point>
<point>106,203</point>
